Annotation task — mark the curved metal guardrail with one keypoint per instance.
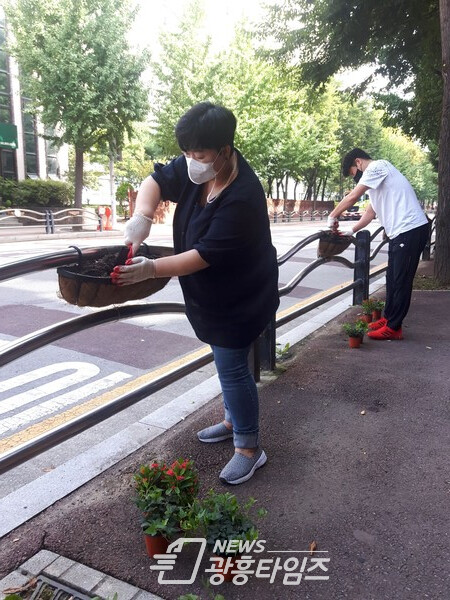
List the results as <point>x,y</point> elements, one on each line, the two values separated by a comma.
<point>264,348</point>
<point>50,219</point>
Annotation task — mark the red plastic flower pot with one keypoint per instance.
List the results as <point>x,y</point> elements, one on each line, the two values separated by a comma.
<point>354,342</point>
<point>155,544</point>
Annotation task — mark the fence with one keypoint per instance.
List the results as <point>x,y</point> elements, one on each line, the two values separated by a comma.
<point>285,216</point>
<point>50,220</point>
<point>263,354</point>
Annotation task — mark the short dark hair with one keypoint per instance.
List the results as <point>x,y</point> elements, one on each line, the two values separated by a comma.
<point>206,125</point>
<point>350,158</point>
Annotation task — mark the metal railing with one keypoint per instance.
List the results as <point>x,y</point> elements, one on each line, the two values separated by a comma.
<point>263,352</point>
<point>50,220</point>
<point>285,216</point>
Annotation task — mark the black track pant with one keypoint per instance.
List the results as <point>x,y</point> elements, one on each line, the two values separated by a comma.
<point>403,259</point>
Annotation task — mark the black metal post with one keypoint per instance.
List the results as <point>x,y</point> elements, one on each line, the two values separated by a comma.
<point>253,361</point>
<point>267,346</point>
<point>362,266</point>
<point>426,254</point>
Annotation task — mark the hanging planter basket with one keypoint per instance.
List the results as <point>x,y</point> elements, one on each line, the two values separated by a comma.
<point>88,283</point>
<point>331,244</point>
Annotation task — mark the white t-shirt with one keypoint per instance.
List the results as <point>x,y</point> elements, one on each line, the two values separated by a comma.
<point>392,198</point>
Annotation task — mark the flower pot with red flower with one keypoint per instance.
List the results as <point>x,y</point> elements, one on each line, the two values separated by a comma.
<point>164,495</point>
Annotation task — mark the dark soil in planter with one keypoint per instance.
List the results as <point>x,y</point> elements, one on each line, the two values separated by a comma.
<point>102,267</point>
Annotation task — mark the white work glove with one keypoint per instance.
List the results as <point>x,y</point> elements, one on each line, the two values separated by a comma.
<point>332,222</point>
<point>134,270</point>
<point>137,229</point>
<point>347,233</point>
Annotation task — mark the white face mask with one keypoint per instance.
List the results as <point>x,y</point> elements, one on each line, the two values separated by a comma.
<point>200,172</point>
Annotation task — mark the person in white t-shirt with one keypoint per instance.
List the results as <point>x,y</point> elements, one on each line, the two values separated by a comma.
<point>394,202</point>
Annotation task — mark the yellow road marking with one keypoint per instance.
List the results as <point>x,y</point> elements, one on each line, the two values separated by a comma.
<point>25,435</point>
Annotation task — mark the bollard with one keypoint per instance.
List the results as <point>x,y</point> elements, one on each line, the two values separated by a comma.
<point>47,222</point>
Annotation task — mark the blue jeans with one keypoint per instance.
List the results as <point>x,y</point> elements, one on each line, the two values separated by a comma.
<point>240,395</point>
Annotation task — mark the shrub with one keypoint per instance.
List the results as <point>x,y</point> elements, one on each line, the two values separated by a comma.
<point>35,192</point>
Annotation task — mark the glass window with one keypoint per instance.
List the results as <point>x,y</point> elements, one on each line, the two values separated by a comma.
<point>28,122</point>
<point>31,163</point>
<point>5,115</point>
<point>52,165</point>
<point>4,100</point>
<point>4,82</point>
<point>30,142</point>
<point>8,165</point>
<point>2,36</point>
<point>3,61</point>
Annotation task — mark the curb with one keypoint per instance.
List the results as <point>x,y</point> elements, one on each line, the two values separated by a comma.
<point>68,572</point>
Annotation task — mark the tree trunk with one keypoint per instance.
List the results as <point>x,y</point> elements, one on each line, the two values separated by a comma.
<point>442,255</point>
<point>79,155</point>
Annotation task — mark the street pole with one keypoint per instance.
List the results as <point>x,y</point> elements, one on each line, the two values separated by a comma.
<point>112,192</point>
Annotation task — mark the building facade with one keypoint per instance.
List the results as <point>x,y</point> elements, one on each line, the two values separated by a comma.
<point>24,152</point>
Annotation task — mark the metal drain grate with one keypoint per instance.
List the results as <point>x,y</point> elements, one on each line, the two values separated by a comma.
<point>48,589</point>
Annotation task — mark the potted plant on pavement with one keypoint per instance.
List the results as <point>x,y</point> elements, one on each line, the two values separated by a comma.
<point>223,522</point>
<point>377,308</point>
<point>355,332</point>
<point>164,495</point>
<point>367,309</point>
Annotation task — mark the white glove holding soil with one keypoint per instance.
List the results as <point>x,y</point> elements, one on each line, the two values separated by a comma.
<point>134,270</point>
<point>332,222</point>
<point>137,229</point>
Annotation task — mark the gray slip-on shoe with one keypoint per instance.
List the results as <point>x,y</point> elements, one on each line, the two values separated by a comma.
<point>240,468</point>
<point>215,433</point>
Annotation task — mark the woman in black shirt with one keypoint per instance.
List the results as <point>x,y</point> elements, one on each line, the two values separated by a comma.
<point>225,261</point>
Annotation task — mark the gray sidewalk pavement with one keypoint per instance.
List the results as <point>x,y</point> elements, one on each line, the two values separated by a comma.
<point>357,444</point>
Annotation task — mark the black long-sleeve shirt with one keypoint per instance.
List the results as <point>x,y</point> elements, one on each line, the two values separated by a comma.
<point>230,302</point>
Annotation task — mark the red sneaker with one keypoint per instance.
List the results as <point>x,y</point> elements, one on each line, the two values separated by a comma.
<point>385,333</point>
<point>377,324</point>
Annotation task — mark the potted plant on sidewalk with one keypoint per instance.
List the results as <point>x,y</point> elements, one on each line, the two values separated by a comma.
<point>223,522</point>
<point>164,495</point>
<point>355,332</point>
<point>367,309</point>
<point>377,309</point>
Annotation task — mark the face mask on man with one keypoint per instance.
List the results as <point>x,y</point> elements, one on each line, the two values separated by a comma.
<point>358,176</point>
<point>200,172</point>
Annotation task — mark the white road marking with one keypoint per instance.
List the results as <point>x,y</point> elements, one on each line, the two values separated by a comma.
<point>62,401</point>
<point>83,371</point>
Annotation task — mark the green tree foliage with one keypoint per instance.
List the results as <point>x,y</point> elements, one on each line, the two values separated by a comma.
<point>181,76</point>
<point>76,65</point>
<point>400,39</point>
<point>408,41</point>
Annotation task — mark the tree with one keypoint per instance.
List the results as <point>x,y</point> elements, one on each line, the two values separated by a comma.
<point>180,76</point>
<point>77,67</point>
<point>442,260</point>
<point>407,41</point>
